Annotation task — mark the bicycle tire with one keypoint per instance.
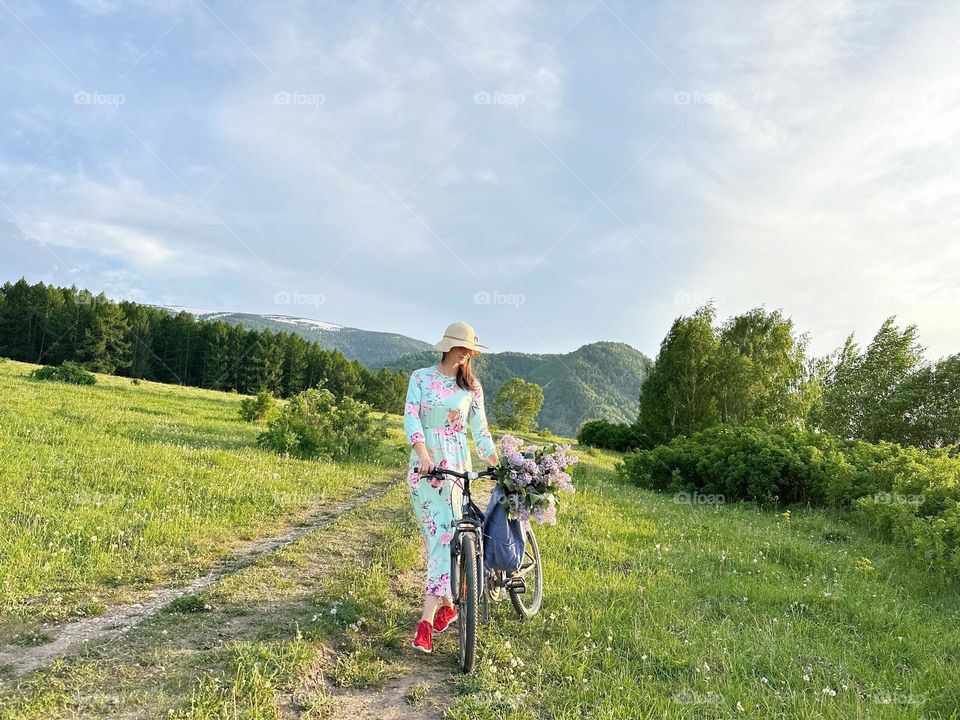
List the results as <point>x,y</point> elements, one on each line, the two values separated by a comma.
<point>468,601</point>
<point>531,552</point>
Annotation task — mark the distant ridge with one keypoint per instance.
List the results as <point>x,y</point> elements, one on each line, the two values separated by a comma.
<point>600,380</point>
<point>372,348</point>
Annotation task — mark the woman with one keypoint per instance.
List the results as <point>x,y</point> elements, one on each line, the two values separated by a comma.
<point>442,400</point>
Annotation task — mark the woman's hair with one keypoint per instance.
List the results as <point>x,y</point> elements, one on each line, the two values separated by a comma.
<point>465,377</point>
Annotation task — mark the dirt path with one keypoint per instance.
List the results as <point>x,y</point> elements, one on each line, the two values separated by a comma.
<point>393,701</point>
<point>72,637</point>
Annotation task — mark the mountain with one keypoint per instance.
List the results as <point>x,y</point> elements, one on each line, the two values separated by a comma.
<point>601,380</point>
<point>373,349</point>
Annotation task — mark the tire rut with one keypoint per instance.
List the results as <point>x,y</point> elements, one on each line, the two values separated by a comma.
<point>71,637</point>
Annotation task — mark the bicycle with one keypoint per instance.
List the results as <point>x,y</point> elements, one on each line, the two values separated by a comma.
<point>472,588</point>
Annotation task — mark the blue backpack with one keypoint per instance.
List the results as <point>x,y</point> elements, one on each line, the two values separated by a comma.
<point>503,538</point>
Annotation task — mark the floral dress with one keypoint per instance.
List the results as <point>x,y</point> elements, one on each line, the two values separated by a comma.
<point>437,413</point>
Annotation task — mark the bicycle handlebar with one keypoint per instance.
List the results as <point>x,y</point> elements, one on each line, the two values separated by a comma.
<point>436,472</point>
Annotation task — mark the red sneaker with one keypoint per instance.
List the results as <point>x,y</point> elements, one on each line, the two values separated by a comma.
<point>424,640</point>
<point>445,615</point>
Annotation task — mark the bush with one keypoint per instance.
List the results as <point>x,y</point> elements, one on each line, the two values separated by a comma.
<point>68,372</point>
<point>610,436</point>
<point>906,494</point>
<point>258,408</point>
<point>314,425</point>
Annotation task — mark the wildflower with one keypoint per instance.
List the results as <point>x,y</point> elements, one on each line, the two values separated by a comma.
<point>830,691</point>
<point>740,707</point>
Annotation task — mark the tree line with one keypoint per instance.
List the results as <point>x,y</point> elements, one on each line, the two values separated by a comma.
<point>47,324</point>
<point>754,369</point>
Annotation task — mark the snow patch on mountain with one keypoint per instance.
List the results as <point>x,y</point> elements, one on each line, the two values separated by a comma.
<point>318,324</point>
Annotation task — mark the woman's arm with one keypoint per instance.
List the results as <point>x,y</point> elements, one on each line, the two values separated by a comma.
<point>477,419</point>
<point>412,425</point>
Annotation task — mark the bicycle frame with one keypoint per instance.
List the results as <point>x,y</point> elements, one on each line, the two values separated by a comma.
<point>470,520</point>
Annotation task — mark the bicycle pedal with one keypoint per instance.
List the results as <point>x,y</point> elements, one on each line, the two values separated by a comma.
<point>516,585</point>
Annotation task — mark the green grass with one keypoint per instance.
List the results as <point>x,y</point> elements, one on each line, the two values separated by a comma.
<point>653,609</point>
<point>662,610</point>
<point>114,487</point>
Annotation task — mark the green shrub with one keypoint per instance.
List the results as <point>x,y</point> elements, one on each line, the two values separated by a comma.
<point>68,372</point>
<point>314,424</point>
<point>610,436</point>
<point>261,407</point>
<point>908,495</point>
<point>742,463</point>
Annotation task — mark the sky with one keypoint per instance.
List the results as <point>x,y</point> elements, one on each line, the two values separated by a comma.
<point>554,173</point>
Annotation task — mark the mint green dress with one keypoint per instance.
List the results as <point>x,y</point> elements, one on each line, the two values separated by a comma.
<point>438,413</point>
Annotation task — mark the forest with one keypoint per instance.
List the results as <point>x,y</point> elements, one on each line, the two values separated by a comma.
<point>47,324</point>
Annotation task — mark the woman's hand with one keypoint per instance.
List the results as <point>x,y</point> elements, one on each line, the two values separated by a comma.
<point>426,464</point>
<point>492,460</point>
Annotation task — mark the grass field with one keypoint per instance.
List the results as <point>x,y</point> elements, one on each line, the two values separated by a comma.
<point>653,609</point>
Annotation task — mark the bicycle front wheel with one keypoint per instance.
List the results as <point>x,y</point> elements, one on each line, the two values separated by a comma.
<point>467,590</point>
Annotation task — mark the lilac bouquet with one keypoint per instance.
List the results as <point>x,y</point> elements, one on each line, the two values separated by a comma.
<point>531,476</point>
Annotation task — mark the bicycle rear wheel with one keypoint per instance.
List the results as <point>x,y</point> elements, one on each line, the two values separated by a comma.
<point>527,603</point>
<point>467,590</point>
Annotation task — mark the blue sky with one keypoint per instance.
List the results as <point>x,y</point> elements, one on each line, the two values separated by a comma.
<point>553,172</point>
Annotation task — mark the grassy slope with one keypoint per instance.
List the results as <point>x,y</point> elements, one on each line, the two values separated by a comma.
<point>118,486</point>
<point>701,608</point>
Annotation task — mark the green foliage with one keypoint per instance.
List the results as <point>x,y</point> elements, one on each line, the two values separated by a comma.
<point>907,494</point>
<point>867,395</point>
<point>314,424</point>
<point>68,372</point>
<point>751,368</point>
<point>517,403</point>
<point>40,323</point>
<point>610,436</point>
<point>924,409</point>
<point>261,407</point>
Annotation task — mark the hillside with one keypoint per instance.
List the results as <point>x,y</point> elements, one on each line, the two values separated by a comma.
<point>372,348</point>
<point>600,380</point>
<point>219,580</point>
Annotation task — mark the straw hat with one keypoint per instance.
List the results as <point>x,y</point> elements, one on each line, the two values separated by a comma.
<point>459,334</point>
